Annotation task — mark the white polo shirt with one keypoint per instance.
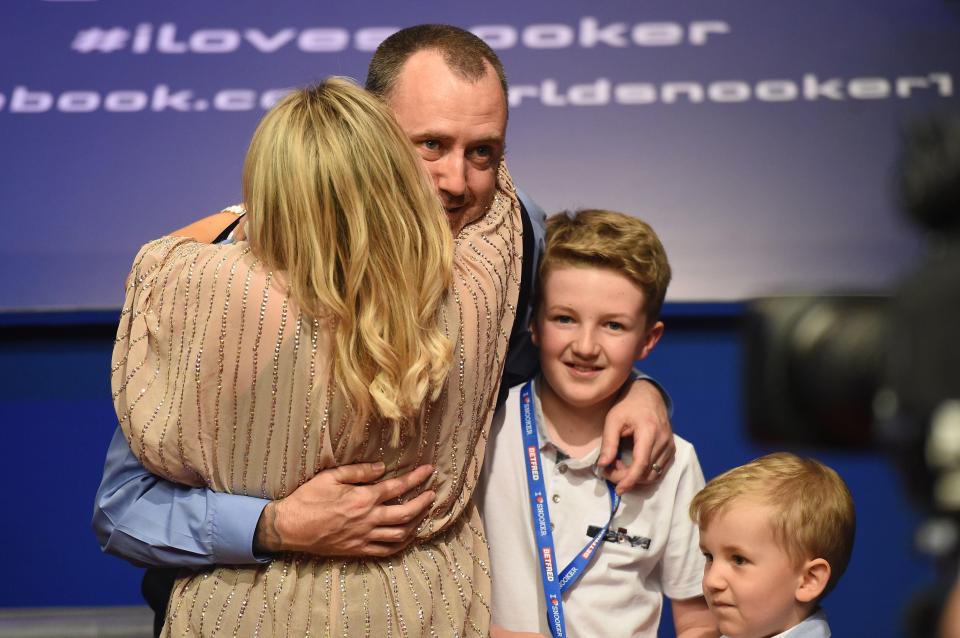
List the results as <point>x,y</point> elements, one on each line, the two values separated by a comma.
<point>620,594</point>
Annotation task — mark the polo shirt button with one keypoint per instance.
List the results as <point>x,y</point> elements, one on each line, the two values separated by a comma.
<point>556,498</point>
<point>562,468</point>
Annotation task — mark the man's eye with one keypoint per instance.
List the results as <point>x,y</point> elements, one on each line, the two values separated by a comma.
<point>483,155</point>
<point>431,145</point>
<point>615,325</point>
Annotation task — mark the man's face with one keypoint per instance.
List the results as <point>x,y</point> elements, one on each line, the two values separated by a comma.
<point>458,129</point>
<point>750,582</point>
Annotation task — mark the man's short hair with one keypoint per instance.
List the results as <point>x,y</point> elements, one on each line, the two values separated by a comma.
<point>463,52</point>
<point>813,510</point>
<point>607,239</point>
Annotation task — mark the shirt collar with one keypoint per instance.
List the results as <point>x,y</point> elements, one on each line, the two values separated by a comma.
<point>588,461</point>
<point>814,626</point>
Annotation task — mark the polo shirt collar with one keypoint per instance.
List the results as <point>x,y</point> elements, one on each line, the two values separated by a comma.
<point>586,462</point>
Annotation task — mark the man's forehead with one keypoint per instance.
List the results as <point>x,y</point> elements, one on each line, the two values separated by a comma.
<point>428,67</point>
<point>429,96</point>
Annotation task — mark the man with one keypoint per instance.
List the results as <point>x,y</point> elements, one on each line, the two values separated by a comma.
<point>448,92</point>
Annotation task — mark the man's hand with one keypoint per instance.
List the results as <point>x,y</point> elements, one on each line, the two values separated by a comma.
<point>331,515</point>
<point>640,413</point>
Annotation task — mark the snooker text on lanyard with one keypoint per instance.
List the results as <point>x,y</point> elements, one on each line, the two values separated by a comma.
<point>553,584</point>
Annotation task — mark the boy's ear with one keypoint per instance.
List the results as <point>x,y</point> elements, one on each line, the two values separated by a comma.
<point>814,577</point>
<point>649,340</point>
<point>534,335</point>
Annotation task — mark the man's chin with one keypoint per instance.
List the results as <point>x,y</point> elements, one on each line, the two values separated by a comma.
<point>460,218</point>
<point>454,223</point>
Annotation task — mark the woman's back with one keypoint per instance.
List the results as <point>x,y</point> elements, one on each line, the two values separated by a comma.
<point>221,380</point>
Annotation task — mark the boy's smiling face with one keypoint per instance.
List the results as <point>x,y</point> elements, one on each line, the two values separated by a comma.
<point>590,327</point>
<point>750,582</point>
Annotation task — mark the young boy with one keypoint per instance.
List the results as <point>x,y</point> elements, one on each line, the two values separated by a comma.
<point>777,535</point>
<point>602,281</point>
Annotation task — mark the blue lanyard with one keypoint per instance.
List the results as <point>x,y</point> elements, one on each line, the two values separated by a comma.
<point>553,584</point>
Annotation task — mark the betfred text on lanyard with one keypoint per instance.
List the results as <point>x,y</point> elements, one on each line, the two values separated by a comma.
<point>554,584</point>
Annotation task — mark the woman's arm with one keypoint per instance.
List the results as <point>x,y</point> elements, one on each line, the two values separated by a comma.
<point>208,228</point>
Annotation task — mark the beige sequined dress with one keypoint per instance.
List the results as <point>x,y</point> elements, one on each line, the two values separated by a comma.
<point>212,371</point>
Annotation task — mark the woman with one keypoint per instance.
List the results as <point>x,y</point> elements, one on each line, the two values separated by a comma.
<point>343,332</point>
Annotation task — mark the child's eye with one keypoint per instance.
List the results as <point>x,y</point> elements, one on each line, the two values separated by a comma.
<point>563,319</point>
<point>739,560</point>
<point>708,556</point>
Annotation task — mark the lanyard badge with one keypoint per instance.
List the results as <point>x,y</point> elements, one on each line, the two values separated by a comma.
<point>554,583</point>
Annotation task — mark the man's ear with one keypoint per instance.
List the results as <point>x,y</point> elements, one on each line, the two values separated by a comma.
<point>649,340</point>
<point>813,580</point>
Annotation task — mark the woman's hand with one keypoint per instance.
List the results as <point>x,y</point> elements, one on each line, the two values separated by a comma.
<point>240,231</point>
<point>208,228</point>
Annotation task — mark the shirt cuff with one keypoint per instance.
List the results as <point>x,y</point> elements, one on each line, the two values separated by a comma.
<point>667,401</point>
<point>233,523</point>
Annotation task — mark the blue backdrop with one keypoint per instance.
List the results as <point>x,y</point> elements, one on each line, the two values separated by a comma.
<point>755,136</point>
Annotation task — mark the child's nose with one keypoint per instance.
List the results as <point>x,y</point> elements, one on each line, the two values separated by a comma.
<point>585,345</point>
<point>712,579</point>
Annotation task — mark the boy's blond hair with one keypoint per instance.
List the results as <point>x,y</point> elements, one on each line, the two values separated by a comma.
<point>813,510</point>
<point>607,239</point>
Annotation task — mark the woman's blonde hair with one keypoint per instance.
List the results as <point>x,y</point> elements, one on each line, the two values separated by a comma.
<point>338,201</point>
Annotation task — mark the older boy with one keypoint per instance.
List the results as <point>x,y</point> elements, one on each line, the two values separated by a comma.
<point>777,534</point>
<point>603,278</point>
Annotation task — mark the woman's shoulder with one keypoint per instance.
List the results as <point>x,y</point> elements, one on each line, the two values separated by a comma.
<point>175,247</point>
<point>176,261</point>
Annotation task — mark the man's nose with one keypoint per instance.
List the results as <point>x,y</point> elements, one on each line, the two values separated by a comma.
<point>451,175</point>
